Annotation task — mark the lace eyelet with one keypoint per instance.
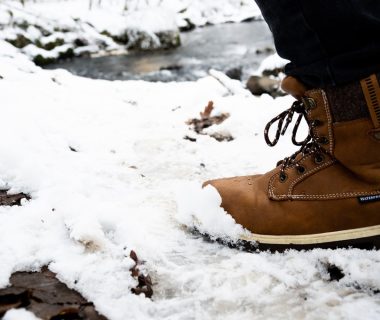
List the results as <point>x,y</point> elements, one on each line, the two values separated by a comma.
<point>319,159</point>
<point>323,140</point>
<point>283,177</point>
<point>310,104</point>
<point>316,123</point>
<point>301,169</point>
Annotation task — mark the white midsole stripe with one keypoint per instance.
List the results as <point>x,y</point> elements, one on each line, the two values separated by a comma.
<point>315,238</point>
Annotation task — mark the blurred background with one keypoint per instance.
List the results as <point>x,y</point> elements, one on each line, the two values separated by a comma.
<point>155,40</point>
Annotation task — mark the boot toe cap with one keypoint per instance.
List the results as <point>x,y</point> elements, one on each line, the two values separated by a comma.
<point>238,198</point>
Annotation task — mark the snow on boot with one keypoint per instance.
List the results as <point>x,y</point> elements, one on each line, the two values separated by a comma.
<point>325,195</point>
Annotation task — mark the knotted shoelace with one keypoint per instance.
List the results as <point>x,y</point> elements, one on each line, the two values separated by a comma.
<point>311,144</point>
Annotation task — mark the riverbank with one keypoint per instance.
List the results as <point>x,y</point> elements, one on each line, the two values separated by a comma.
<point>48,31</point>
<point>224,47</point>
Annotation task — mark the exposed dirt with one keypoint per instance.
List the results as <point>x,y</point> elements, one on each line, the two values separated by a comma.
<point>334,272</point>
<point>12,199</point>
<point>49,299</point>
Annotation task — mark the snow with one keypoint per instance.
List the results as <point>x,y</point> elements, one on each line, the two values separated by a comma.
<point>19,314</point>
<point>199,12</point>
<point>202,12</point>
<point>155,20</point>
<point>32,51</point>
<point>272,62</point>
<point>202,210</point>
<point>234,86</point>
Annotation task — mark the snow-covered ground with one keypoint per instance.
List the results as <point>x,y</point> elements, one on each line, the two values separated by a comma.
<point>105,163</point>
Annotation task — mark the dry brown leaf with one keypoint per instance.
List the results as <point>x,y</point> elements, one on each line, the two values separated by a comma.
<point>207,111</point>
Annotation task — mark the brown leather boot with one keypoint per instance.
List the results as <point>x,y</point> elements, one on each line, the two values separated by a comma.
<point>328,193</point>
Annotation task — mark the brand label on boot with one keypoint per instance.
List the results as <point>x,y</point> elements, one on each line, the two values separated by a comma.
<point>367,199</point>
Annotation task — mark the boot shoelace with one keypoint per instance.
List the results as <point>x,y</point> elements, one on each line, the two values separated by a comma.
<point>310,145</point>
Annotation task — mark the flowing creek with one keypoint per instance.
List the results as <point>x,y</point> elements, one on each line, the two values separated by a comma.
<point>222,47</point>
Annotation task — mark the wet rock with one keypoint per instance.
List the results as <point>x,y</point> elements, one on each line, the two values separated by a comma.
<point>22,24</point>
<point>189,26</point>
<point>49,299</point>
<point>121,38</point>
<point>43,31</point>
<point>68,54</point>
<point>169,39</point>
<point>272,72</point>
<point>265,50</point>
<point>173,67</point>
<point>50,45</point>
<point>81,42</point>
<point>235,73</point>
<point>20,41</point>
<point>259,85</point>
<point>41,61</point>
<point>44,295</point>
<point>12,199</point>
<point>141,40</point>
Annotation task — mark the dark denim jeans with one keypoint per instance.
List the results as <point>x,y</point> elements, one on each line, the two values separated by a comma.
<point>329,42</point>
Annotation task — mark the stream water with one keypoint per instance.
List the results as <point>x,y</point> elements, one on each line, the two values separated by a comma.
<point>222,47</point>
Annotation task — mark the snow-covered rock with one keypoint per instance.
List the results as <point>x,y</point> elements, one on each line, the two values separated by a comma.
<point>201,13</point>
<point>152,28</point>
<point>45,38</point>
<point>272,63</point>
<point>268,77</point>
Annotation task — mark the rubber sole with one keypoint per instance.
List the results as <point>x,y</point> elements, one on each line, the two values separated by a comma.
<point>362,238</point>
